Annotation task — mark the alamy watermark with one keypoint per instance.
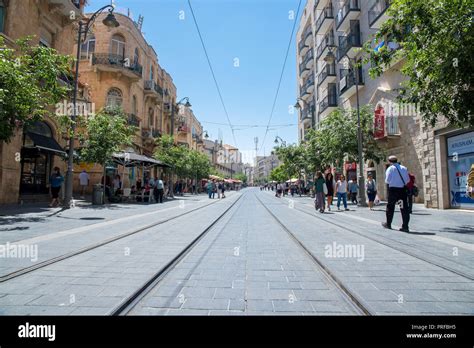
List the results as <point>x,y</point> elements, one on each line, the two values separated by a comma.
<point>19,251</point>
<point>336,250</point>
<point>82,109</point>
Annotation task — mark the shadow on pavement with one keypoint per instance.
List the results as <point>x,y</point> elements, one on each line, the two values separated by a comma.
<point>459,229</point>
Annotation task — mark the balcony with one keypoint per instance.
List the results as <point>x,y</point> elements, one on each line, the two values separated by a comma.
<point>308,86</point>
<point>347,84</point>
<point>117,63</point>
<point>302,48</point>
<point>308,36</point>
<point>377,14</point>
<point>327,75</point>
<point>309,59</point>
<point>133,120</point>
<point>327,43</point>
<point>152,88</point>
<point>307,114</point>
<point>320,4</point>
<point>324,20</point>
<point>183,128</point>
<point>349,44</point>
<point>304,71</point>
<point>350,10</point>
<point>329,103</point>
<point>66,7</point>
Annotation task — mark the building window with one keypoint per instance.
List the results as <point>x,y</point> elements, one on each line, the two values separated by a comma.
<point>2,15</point>
<point>88,48</point>
<point>152,73</point>
<point>134,105</point>
<point>117,46</point>
<point>136,57</point>
<point>151,116</point>
<point>114,98</point>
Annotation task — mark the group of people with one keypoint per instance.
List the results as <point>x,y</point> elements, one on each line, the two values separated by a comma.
<point>153,188</point>
<point>214,187</point>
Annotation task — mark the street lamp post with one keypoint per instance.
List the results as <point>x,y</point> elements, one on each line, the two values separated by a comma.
<point>187,104</point>
<point>353,69</point>
<point>84,27</point>
<point>280,140</point>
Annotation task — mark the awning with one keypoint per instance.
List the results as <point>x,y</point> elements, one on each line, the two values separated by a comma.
<point>131,159</point>
<point>46,143</point>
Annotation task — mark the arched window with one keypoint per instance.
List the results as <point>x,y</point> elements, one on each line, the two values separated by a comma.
<point>88,47</point>
<point>114,98</point>
<point>117,45</point>
<point>134,105</point>
<point>136,57</point>
<point>151,117</point>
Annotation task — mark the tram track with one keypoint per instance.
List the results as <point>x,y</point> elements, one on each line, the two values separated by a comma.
<point>387,244</point>
<point>137,296</point>
<point>352,299</point>
<point>65,256</point>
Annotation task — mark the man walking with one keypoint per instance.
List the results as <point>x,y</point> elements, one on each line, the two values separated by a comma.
<point>84,181</point>
<point>160,190</point>
<point>397,178</point>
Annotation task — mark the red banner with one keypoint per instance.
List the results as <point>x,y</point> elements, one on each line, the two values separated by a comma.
<point>379,123</point>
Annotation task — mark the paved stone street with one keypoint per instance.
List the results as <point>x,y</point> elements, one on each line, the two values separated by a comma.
<point>260,255</point>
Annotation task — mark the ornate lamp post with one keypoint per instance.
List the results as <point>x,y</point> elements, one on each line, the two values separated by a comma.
<point>84,27</point>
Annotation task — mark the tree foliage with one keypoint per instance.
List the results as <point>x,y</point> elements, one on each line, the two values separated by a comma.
<point>241,176</point>
<point>103,135</point>
<point>279,173</point>
<point>436,38</point>
<point>29,84</point>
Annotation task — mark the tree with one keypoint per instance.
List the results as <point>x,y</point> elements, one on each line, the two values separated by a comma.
<point>279,173</point>
<point>103,135</point>
<point>242,177</point>
<point>199,165</point>
<point>436,38</point>
<point>293,158</point>
<point>28,84</point>
<point>336,139</point>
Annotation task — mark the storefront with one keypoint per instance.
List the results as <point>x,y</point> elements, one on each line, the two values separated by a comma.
<point>460,151</point>
<point>37,155</point>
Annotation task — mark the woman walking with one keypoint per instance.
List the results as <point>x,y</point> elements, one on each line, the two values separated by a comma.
<point>319,189</point>
<point>330,187</point>
<point>341,190</point>
<point>371,189</point>
<point>56,180</point>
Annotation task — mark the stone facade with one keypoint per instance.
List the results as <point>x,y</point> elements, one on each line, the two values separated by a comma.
<point>51,24</point>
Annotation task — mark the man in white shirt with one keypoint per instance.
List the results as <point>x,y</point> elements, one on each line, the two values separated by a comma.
<point>84,182</point>
<point>396,177</point>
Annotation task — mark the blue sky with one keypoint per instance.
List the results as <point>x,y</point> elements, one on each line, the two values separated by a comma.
<point>254,31</point>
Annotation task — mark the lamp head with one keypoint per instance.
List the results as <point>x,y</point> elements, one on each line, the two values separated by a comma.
<point>110,21</point>
<point>330,58</point>
<point>297,105</point>
<point>188,104</point>
<point>206,135</point>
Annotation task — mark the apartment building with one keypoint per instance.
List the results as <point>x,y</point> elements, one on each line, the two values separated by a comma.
<point>225,158</point>
<point>339,28</point>
<point>41,146</point>
<point>189,131</point>
<point>122,70</point>
<point>265,165</point>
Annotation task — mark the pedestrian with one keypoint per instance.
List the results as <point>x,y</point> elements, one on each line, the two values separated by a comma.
<point>330,187</point>
<point>353,188</point>
<point>56,180</point>
<point>397,178</point>
<point>279,190</point>
<point>412,191</point>
<point>219,189</point>
<point>341,191</point>
<point>209,189</point>
<point>223,190</point>
<point>371,189</point>
<point>319,184</point>
<point>84,182</point>
<point>139,185</point>
<point>117,184</point>
<point>160,190</point>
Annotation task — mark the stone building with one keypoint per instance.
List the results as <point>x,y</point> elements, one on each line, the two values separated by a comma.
<point>189,131</point>
<point>27,160</point>
<point>339,29</point>
<point>122,70</point>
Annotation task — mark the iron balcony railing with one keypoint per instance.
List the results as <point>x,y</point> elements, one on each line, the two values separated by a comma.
<point>327,41</point>
<point>308,32</point>
<point>348,6</point>
<point>309,82</point>
<point>151,85</point>
<point>118,61</point>
<point>347,42</point>
<point>326,13</point>
<point>308,57</point>
<point>301,46</point>
<point>303,68</point>
<point>133,120</point>
<point>328,101</point>
<point>378,10</point>
<point>328,70</point>
<point>348,80</point>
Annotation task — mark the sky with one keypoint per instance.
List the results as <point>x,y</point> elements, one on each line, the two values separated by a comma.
<point>246,41</point>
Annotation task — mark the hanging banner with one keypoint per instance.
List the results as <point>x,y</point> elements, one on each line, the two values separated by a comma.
<point>379,123</point>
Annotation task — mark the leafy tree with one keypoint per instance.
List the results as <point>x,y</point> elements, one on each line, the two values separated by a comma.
<point>293,158</point>
<point>28,84</point>
<point>198,165</point>
<point>436,38</point>
<point>279,173</point>
<point>103,135</point>
<point>336,139</point>
<point>241,176</point>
